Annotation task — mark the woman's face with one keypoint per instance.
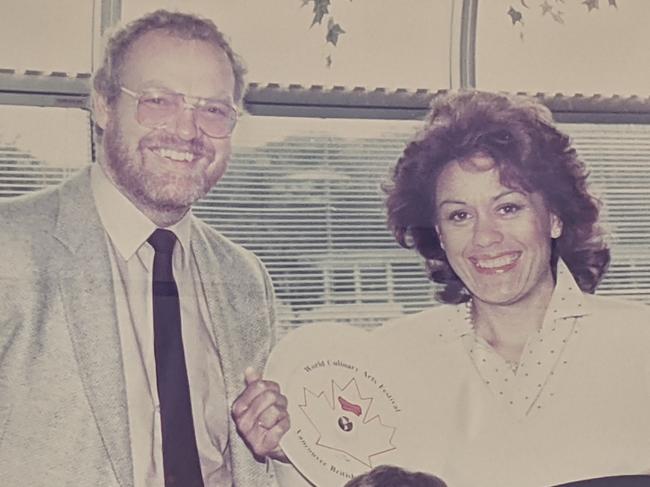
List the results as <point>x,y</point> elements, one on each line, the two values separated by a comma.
<point>497,239</point>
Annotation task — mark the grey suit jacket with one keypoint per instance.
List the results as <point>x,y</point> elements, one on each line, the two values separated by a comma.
<point>63,417</point>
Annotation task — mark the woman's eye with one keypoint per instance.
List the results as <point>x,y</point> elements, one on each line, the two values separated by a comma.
<point>509,209</point>
<point>458,216</point>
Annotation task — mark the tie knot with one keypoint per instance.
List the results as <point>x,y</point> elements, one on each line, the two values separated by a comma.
<point>162,241</point>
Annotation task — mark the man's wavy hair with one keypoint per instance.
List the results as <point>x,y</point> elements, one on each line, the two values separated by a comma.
<point>107,79</point>
<point>530,153</point>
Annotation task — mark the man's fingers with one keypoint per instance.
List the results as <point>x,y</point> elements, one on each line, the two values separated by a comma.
<point>266,442</point>
<point>251,375</point>
<point>263,407</point>
<point>273,437</point>
<point>247,398</point>
<point>260,413</point>
<point>273,414</point>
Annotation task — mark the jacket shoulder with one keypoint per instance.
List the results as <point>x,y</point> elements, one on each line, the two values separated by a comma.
<point>35,210</point>
<point>436,322</point>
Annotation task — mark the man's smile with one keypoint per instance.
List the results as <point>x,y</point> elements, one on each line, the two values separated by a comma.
<point>175,155</point>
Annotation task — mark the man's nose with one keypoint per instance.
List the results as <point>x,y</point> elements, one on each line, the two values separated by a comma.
<point>186,127</point>
<point>486,232</point>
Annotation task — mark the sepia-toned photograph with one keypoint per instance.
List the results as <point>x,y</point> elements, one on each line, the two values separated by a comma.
<point>324,243</point>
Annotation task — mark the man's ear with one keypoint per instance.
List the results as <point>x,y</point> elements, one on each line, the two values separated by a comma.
<point>100,110</point>
<point>556,226</point>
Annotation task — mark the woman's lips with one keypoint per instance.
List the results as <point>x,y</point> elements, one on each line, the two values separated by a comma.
<point>497,264</point>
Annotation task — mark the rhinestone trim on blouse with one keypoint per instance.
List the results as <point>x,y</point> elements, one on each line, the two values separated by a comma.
<point>469,318</point>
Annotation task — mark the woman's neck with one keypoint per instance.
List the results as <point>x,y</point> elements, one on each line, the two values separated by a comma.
<point>507,327</point>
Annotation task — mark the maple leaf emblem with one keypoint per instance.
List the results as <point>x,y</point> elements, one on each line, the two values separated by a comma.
<point>344,422</point>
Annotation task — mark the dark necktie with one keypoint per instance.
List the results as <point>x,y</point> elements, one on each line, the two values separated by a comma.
<point>180,455</point>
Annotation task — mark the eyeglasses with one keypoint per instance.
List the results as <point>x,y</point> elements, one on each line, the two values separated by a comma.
<point>157,106</point>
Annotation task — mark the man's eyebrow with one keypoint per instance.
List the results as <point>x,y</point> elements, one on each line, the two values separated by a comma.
<point>155,84</point>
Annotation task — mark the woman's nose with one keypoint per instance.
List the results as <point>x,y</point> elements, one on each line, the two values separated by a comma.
<point>486,232</point>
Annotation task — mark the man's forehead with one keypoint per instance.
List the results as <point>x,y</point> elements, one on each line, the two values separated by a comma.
<point>159,40</point>
<point>194,66</point>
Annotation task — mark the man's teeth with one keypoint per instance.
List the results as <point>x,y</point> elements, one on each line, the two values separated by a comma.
<point>175,155</point>
<point>498,262</point>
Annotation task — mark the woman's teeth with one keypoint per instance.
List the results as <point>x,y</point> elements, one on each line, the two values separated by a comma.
<point>497,262</point>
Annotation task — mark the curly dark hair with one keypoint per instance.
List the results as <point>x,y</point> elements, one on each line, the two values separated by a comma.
<point>392,476</point>
<point>106,80</point>
<point>531,154</point>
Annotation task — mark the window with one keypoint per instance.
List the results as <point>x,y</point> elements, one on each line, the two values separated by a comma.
<point>39,43</point>
<point>602,50</point>
<point>41,146</point>
<point>304,195</point>
<point>619,157</point>
<point>47,36</point>
<point>376,50</point>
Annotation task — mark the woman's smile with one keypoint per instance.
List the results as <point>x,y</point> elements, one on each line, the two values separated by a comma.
<point>496,264</point>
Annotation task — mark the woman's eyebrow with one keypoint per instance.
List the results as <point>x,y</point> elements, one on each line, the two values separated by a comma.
<point>507,193</point>
<point>451,202</point>
<point>494,198</point>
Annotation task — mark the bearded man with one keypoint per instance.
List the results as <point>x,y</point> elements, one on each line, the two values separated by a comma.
<point>127,324</point>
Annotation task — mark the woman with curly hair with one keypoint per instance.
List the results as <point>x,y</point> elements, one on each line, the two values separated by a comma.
<point>529,378</point>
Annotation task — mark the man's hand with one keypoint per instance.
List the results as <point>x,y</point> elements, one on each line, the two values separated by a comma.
<point>260,413</point>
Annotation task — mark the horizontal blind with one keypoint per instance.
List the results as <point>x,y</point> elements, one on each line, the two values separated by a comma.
<point>41,146</point>
<point>20,172</point>
<point>305,196</point>
<point>308,202</point>
<point>618,157</point>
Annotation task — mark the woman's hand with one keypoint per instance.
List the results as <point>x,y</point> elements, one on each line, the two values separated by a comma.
<point>260,413</point>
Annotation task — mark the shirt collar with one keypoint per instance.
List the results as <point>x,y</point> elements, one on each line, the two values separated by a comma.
<point>567,301</point>
<point>127,227</point>
<point>459,322</point>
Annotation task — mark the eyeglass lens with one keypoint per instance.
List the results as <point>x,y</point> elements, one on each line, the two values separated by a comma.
<point>213,117</point>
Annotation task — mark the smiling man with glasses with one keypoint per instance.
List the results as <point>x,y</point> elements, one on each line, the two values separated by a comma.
<point>127,324</point>
<point>159,106</point>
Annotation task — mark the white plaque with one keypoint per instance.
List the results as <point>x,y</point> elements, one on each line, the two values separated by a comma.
<point>345,416</point>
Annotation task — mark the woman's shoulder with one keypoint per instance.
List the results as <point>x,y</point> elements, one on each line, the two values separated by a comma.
<point>614,305</point>
<point>442,321</point>
<point>616,312</point>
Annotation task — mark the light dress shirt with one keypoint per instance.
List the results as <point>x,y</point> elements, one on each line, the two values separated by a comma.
<point>127,230</point>
<point>576,407</point>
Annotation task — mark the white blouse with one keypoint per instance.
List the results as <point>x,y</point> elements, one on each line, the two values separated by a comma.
<point>576,407</point>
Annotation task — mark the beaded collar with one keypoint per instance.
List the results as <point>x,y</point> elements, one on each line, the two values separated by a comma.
<point>469,318</point>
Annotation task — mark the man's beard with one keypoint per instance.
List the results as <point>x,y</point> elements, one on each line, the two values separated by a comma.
<point>159,189</point>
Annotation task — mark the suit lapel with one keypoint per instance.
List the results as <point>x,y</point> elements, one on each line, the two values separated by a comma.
<point>241,329</point>
<point>86,287</point>
<point>211,278</point>
<point>237,313</point>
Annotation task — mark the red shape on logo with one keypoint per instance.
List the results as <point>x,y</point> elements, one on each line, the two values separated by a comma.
<point>348,406</point>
